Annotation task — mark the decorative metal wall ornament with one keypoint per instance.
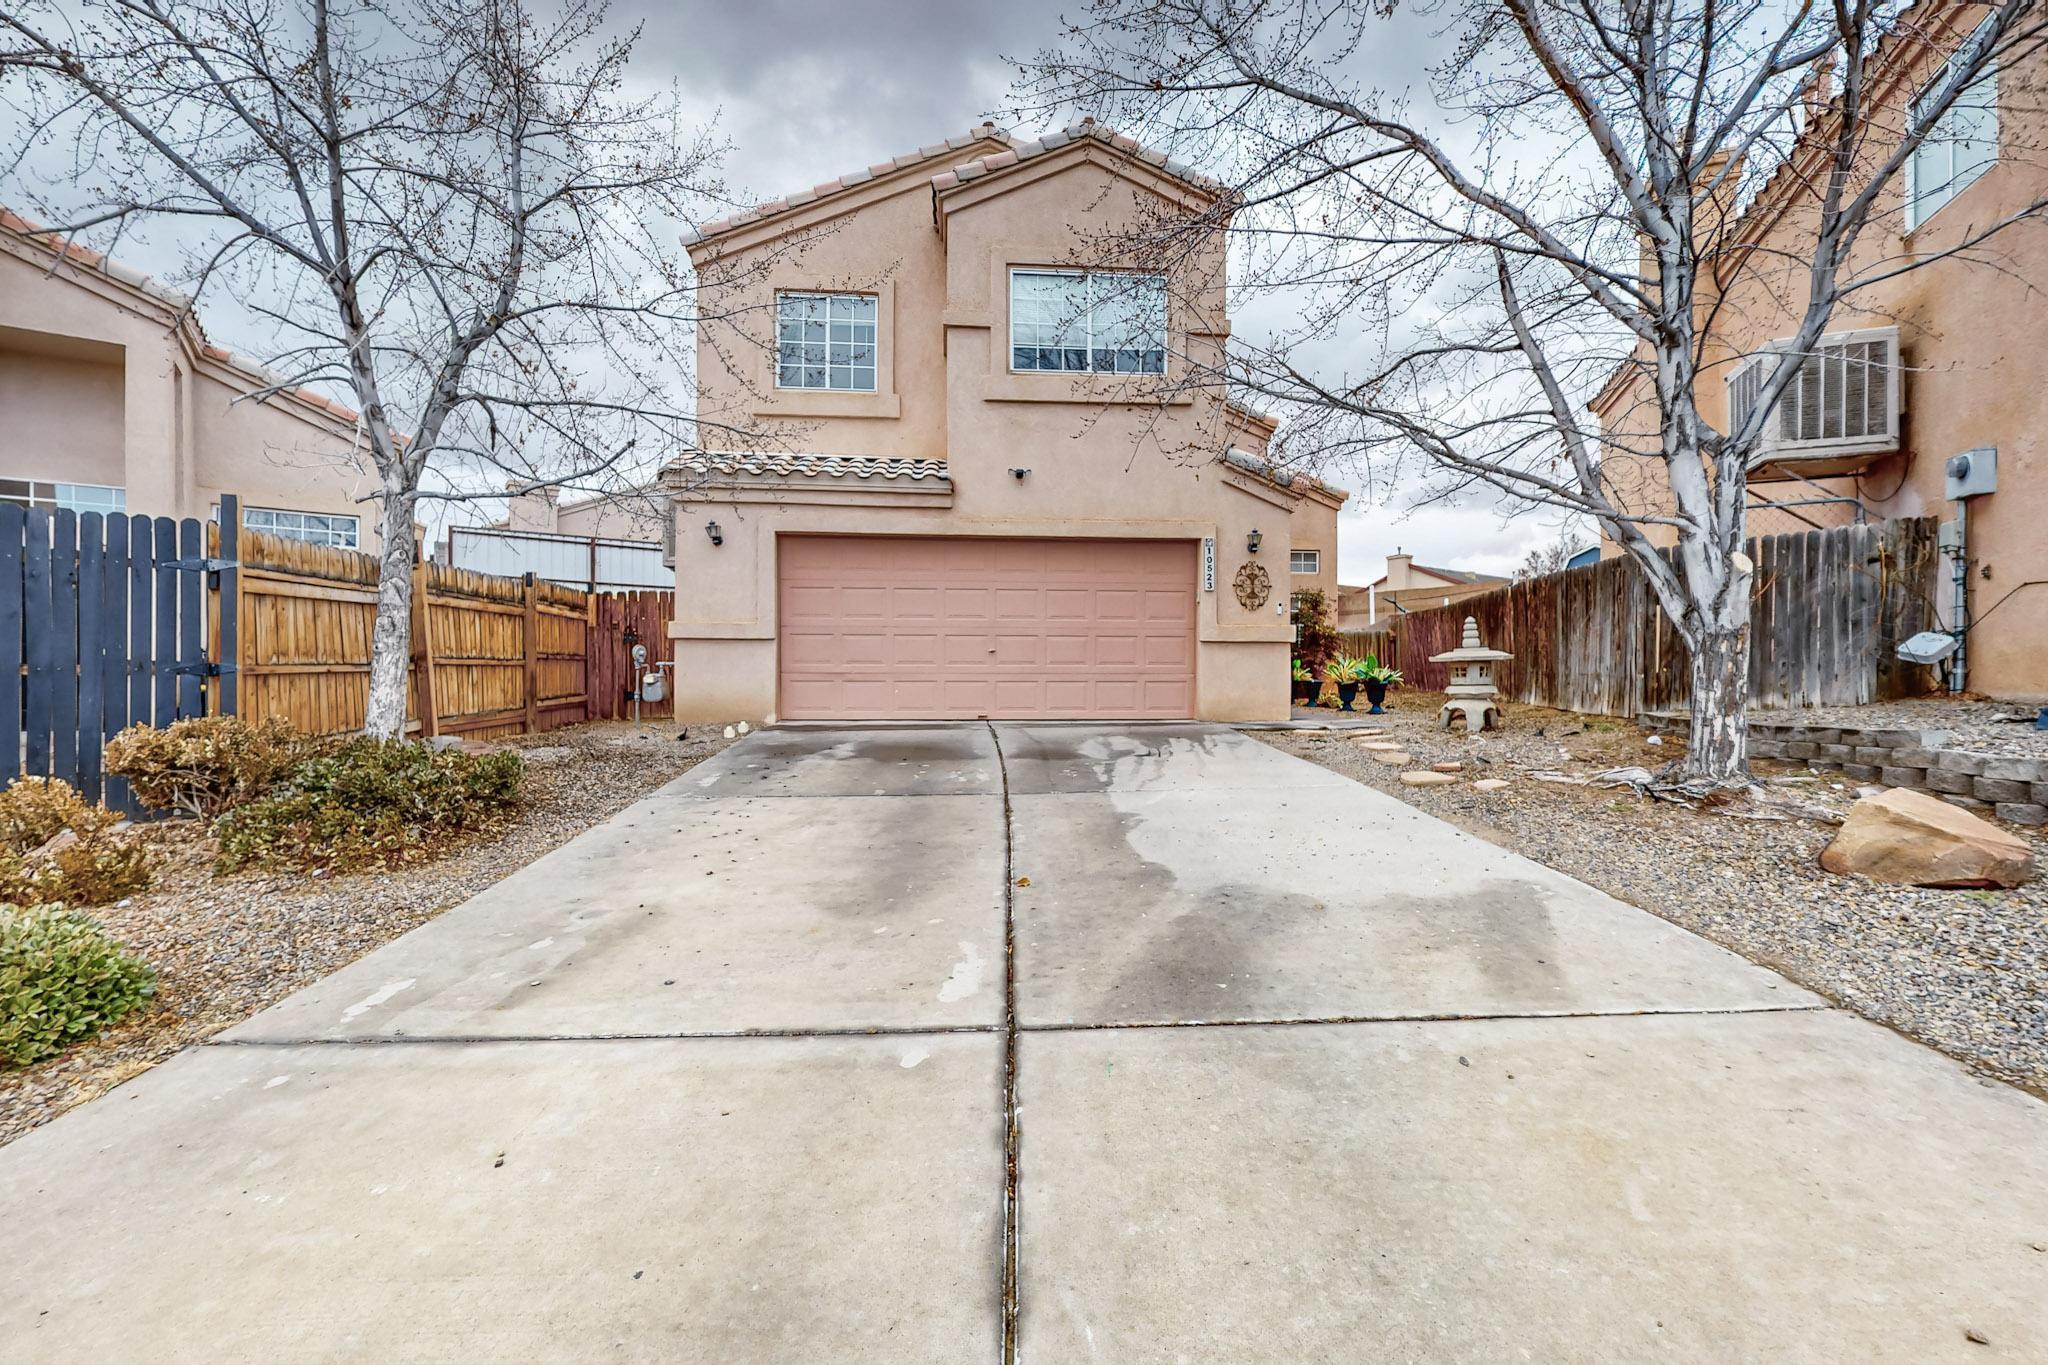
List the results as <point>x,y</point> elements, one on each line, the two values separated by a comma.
<point>1254,585</point>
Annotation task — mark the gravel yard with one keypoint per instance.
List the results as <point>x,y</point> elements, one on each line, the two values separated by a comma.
<point>1978,727</point>
<point>226,947</point>
<point>1964,971</point>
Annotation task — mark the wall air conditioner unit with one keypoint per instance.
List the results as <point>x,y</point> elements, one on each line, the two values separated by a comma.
<point>1839,413</point>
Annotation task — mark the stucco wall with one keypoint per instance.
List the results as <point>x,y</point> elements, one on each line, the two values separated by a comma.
<point>1971,334</point>
<point>113,392</point>
<point>1104,459</point>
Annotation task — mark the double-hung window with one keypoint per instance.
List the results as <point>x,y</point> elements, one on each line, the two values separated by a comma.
<point>1304,561</point>
<point>825,341</point>
<point>1102,322</point>
<point>1960,146</point>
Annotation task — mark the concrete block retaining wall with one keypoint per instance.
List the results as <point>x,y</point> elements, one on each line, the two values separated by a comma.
<point>2012,789</point>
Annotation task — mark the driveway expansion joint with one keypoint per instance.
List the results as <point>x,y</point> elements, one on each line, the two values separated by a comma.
<point>1292,1021</point>
<point>682,1036</point>
<point>1011,1134</point>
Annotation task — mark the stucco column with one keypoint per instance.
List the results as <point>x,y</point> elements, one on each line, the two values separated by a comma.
<point>153,420</point>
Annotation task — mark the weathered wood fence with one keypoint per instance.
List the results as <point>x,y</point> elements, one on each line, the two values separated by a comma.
<point>112,620</point>
<point>619,621</point>
<point>1830,608</point>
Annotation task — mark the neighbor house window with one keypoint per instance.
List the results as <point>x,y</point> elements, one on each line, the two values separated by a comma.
<point>1304,561</point>
<point>74,497</point>
<point>1107,322</point>
<point>825,341</point>
<point>315,528</point>
<point>1960,146</point>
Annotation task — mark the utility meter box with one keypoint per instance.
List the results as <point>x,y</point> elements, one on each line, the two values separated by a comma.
<point>1973,473</point>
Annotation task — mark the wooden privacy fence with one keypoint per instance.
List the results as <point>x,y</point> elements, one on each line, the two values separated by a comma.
<point>104,624</point>
<point>491,656</point>
<point>644,617</point>
<point>1829,610</point>
<point>112,620</point>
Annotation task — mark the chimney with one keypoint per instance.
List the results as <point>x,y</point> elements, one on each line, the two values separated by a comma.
<point>1817,91</point>
<point>531,508</point>
<point>1399,569</point>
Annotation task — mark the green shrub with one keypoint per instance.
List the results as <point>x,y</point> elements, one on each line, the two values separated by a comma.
<point>55,846</point>
<point>62,979</point>
<point>370,803</point>
<point>207,764</point>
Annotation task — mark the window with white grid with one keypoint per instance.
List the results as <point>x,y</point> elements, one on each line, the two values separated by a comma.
<point>1107,322</point>
<point>75,497</point>
<point>825,341</point>
<point>314,528</point>
<point>1304,561</point>
<point>1962,144</point>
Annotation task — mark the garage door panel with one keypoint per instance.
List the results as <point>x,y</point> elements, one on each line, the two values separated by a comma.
<point>965,627</point>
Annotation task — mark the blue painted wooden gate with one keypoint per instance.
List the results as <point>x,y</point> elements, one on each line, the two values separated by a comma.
<point>103,625</point>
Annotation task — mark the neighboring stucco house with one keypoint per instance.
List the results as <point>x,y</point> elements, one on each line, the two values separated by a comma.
<point>1407,586</point>
<point>1926,365</point>
<point>973,486</point>
<point>112,400</point>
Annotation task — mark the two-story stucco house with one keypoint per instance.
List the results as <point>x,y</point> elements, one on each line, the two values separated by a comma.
<point>1920,366</point>
<point>112,399</point>
<point>974,488</point>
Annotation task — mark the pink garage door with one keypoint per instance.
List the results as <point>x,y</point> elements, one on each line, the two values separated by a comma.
<point>961,627</point>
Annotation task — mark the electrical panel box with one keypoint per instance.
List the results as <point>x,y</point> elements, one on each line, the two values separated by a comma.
<point>1945,537</point>
<point>1972,473</point>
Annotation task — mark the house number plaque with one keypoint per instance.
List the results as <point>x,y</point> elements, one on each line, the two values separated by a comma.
<point>1208,563</point>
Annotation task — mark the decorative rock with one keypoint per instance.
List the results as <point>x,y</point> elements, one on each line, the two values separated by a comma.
<point>1394,760</point>
<point>1489,784</point>
<point>743,727</point>
<point>1447,766</point>
<point>731,733</point>
<point>1912,839</point>
<point>1426,779</point>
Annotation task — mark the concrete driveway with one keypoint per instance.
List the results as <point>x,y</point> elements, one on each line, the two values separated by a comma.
<point>1285,1071</point>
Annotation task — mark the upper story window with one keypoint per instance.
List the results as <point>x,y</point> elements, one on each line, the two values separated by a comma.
<point>1960,146</point>
<point>74,497</point>
<point>825,341</point>
<point>1105,322</point>
<point>315,528</point>
<point>1304,561</point>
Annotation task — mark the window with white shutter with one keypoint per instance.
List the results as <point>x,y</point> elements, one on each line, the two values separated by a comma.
<point>1842,399</point>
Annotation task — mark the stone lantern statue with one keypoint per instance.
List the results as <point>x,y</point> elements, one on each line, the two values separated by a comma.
<point>1472,692</point>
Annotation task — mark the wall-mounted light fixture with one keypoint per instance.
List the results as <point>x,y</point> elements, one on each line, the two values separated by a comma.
<point>1252,542</point>
<point>717,536</point>
<point>1018,474</point>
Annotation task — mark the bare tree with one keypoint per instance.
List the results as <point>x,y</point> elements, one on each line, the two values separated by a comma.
<point>1545,560</point>
<point>454,211</point>
<point>1464,276</point>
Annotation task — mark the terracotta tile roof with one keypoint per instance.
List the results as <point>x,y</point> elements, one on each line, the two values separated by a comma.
<point>55,244</point>
<point>1085,130</point>
<point>982,133</point>
<point>787,465</point>
<point>1279,475</point>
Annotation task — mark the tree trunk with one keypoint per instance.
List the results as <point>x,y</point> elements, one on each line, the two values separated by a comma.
<point>391,636</point>
<point>1718,750</point>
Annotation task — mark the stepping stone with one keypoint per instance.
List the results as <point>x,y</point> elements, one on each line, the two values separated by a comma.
<point>1381,745</point>
<point>1489,784</point>
<point>1395,760</point>
<point>1447,766</point>
<point>1426,779</point>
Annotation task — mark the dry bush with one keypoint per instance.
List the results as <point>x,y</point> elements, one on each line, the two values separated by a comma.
<point>205,765</point>
<point>56,846</point>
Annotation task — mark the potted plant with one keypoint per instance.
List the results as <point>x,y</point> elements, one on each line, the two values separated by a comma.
<point>1377,678</point>
<point>1347,673</point>
<point>1304,685</point>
